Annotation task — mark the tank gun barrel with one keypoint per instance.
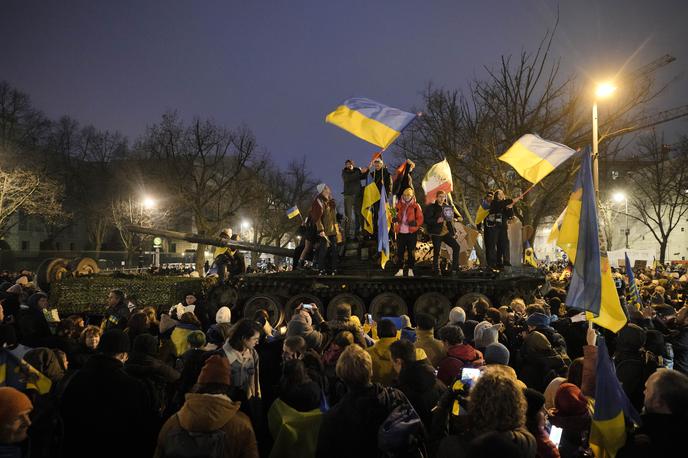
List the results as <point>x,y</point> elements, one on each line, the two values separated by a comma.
<point>195,238</point>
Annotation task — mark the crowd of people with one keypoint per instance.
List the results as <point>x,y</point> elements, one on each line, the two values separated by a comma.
<point>187,380</point>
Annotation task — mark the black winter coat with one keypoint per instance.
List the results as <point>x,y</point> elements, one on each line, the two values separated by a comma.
<point>422,388</point>
<point>156,375</point>
<point>352,181</point>
<point>432,212</point>
<point>680,344</point>
<point>381,175</point>
<point>659,436</point>
<point>107,412</point>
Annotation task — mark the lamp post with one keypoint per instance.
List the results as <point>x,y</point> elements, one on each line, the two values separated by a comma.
<point>602,91</point>
<point>618,197</point>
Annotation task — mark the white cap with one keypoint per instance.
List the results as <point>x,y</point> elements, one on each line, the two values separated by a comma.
<point>223,315</point>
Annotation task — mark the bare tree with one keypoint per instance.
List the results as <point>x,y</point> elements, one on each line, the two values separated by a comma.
<point>129,211</point>
<point>659,188</point>
<point>205,168</point>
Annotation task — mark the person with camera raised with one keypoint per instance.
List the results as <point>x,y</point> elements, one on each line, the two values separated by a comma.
<point>438,219</point>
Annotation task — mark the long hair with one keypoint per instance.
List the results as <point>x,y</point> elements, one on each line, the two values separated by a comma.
<point>497,403</point>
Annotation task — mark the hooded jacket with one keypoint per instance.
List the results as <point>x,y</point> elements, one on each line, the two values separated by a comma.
<point>423,390</point>
<point>299,326</point>
<point>202,413</point>
<point>458,357</point>
<point>434,348</point>
<point>412,211</point>
<point>383,370</point>
<point>539,364</point>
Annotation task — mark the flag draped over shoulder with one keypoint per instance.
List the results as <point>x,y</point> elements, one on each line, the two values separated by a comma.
<point>383,224</point>
<point>592,287</point>
<point>21,375</point>
<point>438,178</point>
<point>534,158</point>
<point>370,120</point>
<point>634,296</point>
<point>608,429</point>
<point>483,211</point>
<point>370,195</point>
<point>293,212</point>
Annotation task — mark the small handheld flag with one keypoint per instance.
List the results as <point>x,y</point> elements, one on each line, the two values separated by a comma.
<point>293,212</point>
<point>370,120</point>
<point>534,158</point>
<point>483,211</point>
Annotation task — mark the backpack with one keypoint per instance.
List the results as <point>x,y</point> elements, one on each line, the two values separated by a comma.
<point>187,444</point>
<point>402,432</point>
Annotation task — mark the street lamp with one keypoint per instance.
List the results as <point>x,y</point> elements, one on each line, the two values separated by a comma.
<point>603,90</point>
<point>618,198</point>
<point>148,203</point>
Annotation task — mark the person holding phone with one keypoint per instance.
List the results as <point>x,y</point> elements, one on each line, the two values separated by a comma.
<point>305,323</point>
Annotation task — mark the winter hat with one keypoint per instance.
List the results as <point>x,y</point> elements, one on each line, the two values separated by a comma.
<point>223,315</point>
<point>343,312</point>
<point>551,391</point>
<point>14,289</point>
<point>538,320</point>
<point>497,353</point>
<point>196,339</point>
<point>485,333</point>
<point>320,187</point>
<point>114,341</point>
<point>535,401</point>
<point>12,402</point>
<point>570,401</point>
<point>146,344</point>
<point>22,281</point>
<point>215,370</point>
<point>457,315</point>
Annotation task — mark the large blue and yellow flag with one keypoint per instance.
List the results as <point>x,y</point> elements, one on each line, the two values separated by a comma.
<point>383,225</point>
<point>370,120</point>
<point>534,158</point>
<point>21,375</point>
<point>592,287</point>
<point>633,294</point>
<point>483,211</point>
<point>608,430</point>
<point>370,195</point>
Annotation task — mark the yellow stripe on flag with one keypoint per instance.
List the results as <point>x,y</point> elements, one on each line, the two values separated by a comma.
<point>528,164</point>
<point>363,127</point>
<point>370,195</point>
<point>608,436</point>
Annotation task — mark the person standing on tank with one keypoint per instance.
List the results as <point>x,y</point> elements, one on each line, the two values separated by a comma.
<point>501,210</point>
<point>323,214</point>
<point>380,175</point>
<point>439,217</point>
<point>352,176</point>
<point>407,221</point>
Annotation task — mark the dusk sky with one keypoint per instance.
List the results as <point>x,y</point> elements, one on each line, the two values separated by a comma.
<point>281,66</point>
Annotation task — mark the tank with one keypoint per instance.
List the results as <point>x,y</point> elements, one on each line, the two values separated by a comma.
<point>360,282</point>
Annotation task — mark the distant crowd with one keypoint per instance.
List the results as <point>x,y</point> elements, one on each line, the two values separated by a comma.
<point>511,379</point>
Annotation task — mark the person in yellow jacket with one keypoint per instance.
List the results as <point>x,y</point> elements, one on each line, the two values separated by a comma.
<point>425,339</point>
<point>383,367</point>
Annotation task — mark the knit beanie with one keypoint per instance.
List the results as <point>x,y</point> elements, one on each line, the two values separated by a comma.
<point>570,401</point>
<point>146,344</point>
<point>14,289</point>
<point>223,315</point>
<point>215,370</point>
<point>535,401</point>
<point>457,315</point>
<point>497,353</point>
<point>12,402</point>
<point>196,339</point>
<point>114,341</point>
<point>485,333</point>
<point>551,391</point>
<point>538,320</point>
<point>320,187</point>
<point>343,312</point>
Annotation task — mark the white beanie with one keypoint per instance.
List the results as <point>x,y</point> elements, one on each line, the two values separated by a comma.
<point>457,315</point>
<point>320,187</point>
<point>223,315</point>
<point>485,333</point>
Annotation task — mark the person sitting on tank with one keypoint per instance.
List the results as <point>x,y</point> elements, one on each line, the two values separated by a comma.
<point>222,256</point>
<point>324,216</point>
<point>439,217</point>
<point>409,217</point>
<point>343,322</point>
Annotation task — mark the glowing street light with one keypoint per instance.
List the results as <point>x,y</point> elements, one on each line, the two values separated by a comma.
<point>149,203</point>
<point>603,90</point>
<point>619,197</point>
<point>245,224</point>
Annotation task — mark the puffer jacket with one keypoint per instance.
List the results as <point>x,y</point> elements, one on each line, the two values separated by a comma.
<point>413,213</point>
<point>206,413</point>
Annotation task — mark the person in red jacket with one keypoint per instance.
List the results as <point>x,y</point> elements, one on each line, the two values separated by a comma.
<point>409,218</point>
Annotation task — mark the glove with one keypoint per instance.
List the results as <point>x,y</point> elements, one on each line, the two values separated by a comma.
<point>412,224</point>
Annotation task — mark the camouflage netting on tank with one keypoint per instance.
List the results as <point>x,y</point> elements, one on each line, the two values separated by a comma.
<point>89,294</point>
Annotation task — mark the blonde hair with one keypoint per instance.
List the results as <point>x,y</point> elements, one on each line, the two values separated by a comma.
<point>354,367</point>
<point>497,403</point>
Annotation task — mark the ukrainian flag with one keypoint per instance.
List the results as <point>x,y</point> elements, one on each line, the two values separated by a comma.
<point>592,287</point>
<point>534,158</point>
<point>21,375</point>
<point>483,211</point>
<point>608,429</point>
<point>634,296</point>
<point>372,121</point>
<point>370,195</point>
<point>383,224</point>
<point>293,212</point>
<point>554,232</point>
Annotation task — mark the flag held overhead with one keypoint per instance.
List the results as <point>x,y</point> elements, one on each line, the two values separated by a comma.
<point>370,120</point>
<point>438,178</point>
<point>293,212</point>
<point>534,158</point>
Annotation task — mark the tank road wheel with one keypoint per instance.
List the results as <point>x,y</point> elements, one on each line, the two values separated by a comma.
<point>265,302</point>
<point>387,304</point>
<point>83,266</point>
<point>223,295</point>
<point>51,270</point>
<point>466,301</point>
<point>301,298</point>
<point>434,304</point>
<point>357,305</point>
